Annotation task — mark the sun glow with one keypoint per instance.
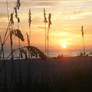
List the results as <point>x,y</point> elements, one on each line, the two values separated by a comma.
<point>63,45</point>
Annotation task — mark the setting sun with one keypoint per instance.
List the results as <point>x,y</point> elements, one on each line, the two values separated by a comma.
<point>63,45</point>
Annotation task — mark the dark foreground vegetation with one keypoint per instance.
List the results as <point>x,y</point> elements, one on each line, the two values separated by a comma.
<point>52,75</point>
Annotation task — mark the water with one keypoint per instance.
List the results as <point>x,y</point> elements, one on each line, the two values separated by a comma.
<point>69,53</point>
<point>55,53</point>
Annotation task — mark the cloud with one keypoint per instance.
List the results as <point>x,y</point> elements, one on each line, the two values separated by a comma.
<point>10,4</point>
<point>50,2</point>
<point>76,15</point>
<point>82,13</point>
<point>27,3</point>
<point>40,3</point>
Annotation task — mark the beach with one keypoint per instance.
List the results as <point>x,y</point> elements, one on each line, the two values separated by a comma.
<point>72,74</point>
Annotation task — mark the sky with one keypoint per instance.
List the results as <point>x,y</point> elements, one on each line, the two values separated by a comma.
<point>67,18</point>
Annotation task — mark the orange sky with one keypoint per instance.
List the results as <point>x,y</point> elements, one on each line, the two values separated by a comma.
<point>67,18</point>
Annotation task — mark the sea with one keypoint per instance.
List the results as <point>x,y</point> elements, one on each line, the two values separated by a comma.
<point>55,53</point>
<point>69,53</point>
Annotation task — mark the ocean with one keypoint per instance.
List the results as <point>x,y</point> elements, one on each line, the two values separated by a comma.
<point>55,53</point>
<point>69,53</point>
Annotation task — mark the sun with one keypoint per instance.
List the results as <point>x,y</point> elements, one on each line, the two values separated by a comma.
<point>63,45</point>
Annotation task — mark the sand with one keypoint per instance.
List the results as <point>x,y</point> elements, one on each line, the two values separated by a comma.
<point>53,70</point>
